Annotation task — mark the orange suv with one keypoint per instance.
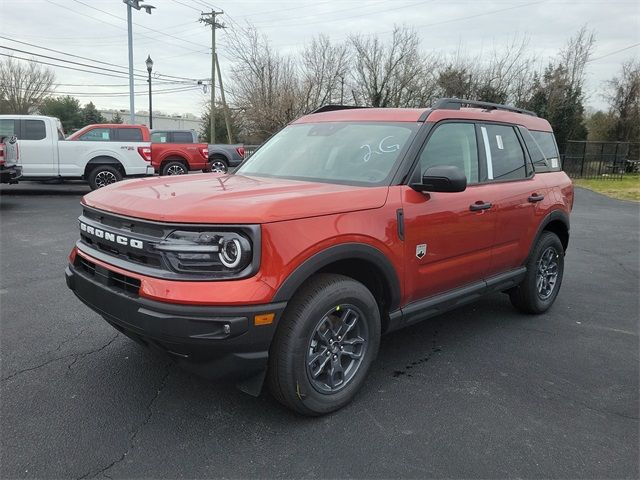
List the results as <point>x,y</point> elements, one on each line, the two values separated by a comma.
<point>348,223</point>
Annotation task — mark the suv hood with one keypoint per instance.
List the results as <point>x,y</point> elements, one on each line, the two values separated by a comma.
<point>207,198</point>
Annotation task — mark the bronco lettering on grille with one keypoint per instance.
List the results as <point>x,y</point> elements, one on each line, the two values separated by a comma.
<point>111,237</point>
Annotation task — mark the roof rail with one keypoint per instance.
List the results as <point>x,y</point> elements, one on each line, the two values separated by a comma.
<point>331,108</point>
<point>456,103</point>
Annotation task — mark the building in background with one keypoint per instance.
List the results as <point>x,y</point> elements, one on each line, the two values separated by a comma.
<point>160,121</point>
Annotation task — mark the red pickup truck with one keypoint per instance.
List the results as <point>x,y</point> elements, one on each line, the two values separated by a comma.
<point>171,154</point>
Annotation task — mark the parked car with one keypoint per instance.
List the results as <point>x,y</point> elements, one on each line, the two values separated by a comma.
<point>10,168</point>
<point>347,224</point>
<point>222,157</point>
<point>45,154</point>
<point>172,152</point>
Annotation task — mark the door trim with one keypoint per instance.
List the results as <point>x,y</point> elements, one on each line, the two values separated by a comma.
<point>437,304</point>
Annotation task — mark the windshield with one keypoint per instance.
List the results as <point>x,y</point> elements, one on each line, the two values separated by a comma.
<point>333,152</point>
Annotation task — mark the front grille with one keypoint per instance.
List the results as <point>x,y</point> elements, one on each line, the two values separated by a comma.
<point>111,279</point>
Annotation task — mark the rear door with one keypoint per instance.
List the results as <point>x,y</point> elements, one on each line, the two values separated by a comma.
<point>518,194</point>
<point>448,236</point>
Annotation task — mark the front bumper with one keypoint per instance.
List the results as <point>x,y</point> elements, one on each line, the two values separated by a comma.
<point>215,342</point>
<point>10,174</point>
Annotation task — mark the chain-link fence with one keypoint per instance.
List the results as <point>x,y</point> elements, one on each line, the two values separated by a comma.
<point>601,159</point>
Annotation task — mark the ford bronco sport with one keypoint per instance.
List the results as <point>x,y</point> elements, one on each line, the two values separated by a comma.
<point>348,223</point>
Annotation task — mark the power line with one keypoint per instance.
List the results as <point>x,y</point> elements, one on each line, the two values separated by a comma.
<point>614,52</point>
<point>85,58</point>
<point>124,94</point>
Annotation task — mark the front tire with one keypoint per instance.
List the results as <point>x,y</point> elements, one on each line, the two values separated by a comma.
<point>545,268</point>
<point>103,175</point>
<point>326,341</point>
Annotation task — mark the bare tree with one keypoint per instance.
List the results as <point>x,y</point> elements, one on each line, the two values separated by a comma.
<point>23,85</point>
<point>624,103</point>
<point>265,85</point>
<point>390,75</point>
<point>324,68</point>
<point>575,55</point>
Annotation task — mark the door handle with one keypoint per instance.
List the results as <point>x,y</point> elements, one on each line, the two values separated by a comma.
<point>479,205</point>
<point>535,198</point>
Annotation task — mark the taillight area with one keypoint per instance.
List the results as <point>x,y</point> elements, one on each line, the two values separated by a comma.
<point>145,152</point>
<point>240,151</point>
<point>204,152</point>
<point>1,154</point>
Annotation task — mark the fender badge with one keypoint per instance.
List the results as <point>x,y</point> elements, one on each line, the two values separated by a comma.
<point>421,250</point>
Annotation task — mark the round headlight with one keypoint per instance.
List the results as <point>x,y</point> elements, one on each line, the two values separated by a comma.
<point>230,252</point>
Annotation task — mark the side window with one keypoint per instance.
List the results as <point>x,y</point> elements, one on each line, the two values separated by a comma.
<point>7,127</point>
<point>159,137</point>
<point>543,150</point>
<point>505,157</point>
<point>97,135</point>
<point>182,137</point>
<point>452,144</point>
<point>33,130</point>
<point>129,135</point>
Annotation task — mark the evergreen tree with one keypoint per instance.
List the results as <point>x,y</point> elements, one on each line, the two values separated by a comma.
<point>91,115</point>
<point>66,108</point>
<point>555,98</point>
<point>117,118</point>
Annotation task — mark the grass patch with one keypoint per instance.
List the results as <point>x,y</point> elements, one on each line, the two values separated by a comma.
<point>627,188</point>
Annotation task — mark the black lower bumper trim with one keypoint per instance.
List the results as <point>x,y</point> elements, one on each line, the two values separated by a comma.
<point>212,341</point>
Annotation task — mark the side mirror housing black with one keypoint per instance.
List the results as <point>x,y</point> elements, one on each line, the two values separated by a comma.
<point>442,178</point>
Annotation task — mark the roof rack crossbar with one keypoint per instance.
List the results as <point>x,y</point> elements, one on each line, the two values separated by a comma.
<point>331,108</point>
<point>456,103</point>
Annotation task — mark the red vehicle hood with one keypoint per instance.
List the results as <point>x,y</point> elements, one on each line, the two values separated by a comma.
<point>206,198</point>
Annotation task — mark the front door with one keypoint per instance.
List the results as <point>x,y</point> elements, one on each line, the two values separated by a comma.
<point>448,236</point>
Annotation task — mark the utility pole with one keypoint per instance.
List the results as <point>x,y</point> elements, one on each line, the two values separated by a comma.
<point>138,6</point>
<point>210,19</point>
<point>224,103</point>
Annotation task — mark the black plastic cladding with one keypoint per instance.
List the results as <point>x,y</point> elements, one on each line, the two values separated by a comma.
<point>150,262</point>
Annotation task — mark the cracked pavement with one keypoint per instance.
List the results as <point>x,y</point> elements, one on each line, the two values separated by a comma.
<point>484,391</point>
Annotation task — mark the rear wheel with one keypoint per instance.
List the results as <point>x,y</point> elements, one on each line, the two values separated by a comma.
<point>545,268</point>
<point>174,168</point>
<point>218,165</point>
<point>103,175</point>
<point>326,341</point>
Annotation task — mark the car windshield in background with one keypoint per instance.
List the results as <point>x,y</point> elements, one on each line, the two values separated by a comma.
<point>333,152</point>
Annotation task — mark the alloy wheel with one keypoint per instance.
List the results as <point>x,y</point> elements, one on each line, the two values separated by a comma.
<point>547,273</point>
<point>176,170</point>
<point>336,349</point>
<point>218,166</point>
<point>105,178</point>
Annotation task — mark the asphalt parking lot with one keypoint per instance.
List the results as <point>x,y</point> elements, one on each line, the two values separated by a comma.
<point>479,392</point>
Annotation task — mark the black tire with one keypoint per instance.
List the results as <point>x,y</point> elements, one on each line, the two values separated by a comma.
<point>290,376</point>
<point>174,167</point>
<point>218,164</point>
<point>535,294</point>
<point>103,175</point>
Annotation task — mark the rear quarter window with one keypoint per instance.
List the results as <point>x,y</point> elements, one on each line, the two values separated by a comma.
<point>182,137</point>
<point>33,130</point>
<point>542,150</point>
<point>129,135</point>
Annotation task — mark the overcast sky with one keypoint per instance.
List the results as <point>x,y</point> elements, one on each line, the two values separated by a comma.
<point>180,46</point>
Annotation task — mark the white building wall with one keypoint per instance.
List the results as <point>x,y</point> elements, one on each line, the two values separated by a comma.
<point>159,121</point>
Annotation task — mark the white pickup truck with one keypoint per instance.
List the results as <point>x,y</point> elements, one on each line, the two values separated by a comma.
<point>45,154</point>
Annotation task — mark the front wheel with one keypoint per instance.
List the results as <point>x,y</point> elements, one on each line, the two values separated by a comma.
<point>545,268</point>
<point>325,343</point>
<point>103,175</point>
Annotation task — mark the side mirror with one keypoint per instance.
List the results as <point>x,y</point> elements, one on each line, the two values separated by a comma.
<point>442,178</point>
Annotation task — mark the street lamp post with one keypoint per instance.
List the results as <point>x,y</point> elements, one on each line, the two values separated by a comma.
<point>138,6</point>
<point>149,63</point>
